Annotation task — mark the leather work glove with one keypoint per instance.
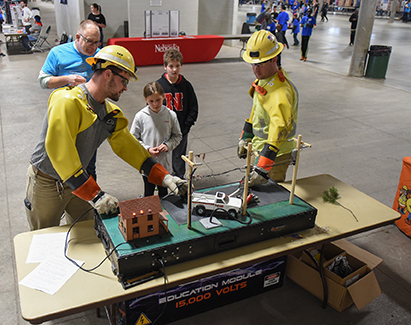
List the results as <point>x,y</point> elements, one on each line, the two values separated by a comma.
<point>245,138</point>
<point>258,176</point>
<point>176,185</point>
<point>104,203</point>
<point>241,148</point>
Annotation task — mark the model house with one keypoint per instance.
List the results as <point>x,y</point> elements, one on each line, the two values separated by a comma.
<point>141,217</point>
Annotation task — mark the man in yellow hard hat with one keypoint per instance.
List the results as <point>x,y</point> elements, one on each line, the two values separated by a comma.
<point>77,121</point>
<point>273,118</point>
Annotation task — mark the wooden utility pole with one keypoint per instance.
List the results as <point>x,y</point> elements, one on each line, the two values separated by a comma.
<point>191,164</point>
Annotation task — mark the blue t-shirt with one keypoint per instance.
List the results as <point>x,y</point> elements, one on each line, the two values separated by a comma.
<point>64,59</point>
<point>296,23</point>
<point>307,31</point>
<point>283,19</point>
<point>295,7</point>
<point>262,7</point>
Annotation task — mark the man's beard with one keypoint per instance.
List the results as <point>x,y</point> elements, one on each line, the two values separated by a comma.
<point>112,95</point>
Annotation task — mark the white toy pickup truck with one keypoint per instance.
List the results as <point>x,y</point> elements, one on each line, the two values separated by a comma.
<point>202,202</point>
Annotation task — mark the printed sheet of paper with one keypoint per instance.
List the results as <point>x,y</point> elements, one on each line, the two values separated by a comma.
<point>43,246</point>
<point>51,274</point>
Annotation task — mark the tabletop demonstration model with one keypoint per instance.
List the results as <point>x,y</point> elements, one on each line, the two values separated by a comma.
<point>148,235</point>
<point>100,288</point>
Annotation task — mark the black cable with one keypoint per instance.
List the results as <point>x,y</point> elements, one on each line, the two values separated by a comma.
<point>67,243</point>
<point>325,287</point>
<point>223,173</point>
<point>320,270</point>
<point>231,217</point>
<point>165,289</point>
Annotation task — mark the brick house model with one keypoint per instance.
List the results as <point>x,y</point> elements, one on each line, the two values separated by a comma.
<point>141,217</point>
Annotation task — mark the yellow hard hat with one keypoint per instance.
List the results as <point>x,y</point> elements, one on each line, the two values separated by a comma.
<point>115,55</point>
<point>262,46</point>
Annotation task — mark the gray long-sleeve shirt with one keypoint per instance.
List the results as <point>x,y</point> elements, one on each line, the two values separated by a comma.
<point>153,129</point>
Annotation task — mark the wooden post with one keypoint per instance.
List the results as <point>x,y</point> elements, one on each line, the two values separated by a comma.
<point>191,164</point>
<point>247,172</point>
<point>295,170</point>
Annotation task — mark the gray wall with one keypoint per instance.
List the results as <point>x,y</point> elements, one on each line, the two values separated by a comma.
<point>188,14</point>
<point>197,17</point>
<point>217,17</point>
<point>68,16</point>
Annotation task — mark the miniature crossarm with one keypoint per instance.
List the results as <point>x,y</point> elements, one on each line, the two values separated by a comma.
<point>191,164</point>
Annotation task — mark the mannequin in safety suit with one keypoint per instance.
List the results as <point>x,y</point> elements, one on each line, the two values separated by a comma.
<point>273,119</point>
<point>77,121</point>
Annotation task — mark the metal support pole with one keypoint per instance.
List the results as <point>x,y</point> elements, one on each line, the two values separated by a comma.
<point>365,24</point>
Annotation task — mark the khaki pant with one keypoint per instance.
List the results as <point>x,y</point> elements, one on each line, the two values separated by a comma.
<point>279,170</point>
<point>49,199</point>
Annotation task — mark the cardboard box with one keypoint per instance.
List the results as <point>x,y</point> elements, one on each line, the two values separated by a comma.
<point>358,270</point>
<point>198,296</point>
<point>330,252</point>
<point>361,292</point>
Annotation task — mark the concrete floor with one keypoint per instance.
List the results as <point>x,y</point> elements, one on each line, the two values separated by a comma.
<point>356,126</point>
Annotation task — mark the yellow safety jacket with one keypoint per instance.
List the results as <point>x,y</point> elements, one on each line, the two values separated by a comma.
<point>72,132</point>
<point>273,118</point>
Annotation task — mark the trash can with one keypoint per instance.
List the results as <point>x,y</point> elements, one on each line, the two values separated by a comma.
<point>251,17</point>
<point>378,57</point>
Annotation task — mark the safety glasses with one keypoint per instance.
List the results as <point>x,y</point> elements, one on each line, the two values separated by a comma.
<point>261,63</point>
<point>96,43</point>
<point>124,80</point>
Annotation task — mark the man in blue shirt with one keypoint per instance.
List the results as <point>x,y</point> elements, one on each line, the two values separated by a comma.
<point>307,22</point>
<point>66,65</point>
<point>295,7</point>
<point>283,19</point>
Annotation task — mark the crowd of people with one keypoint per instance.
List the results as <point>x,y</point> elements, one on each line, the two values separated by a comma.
<point>62,176</point>
<point>79,118</point>
<point>275,18</point>
<point>33,26</point>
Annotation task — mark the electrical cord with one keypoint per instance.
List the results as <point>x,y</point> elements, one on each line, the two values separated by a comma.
<point>320,270</point>
<point>160,260</point>
<point>66,244</point>
<point>231,217</point>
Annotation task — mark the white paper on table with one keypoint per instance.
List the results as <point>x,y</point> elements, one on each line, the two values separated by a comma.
<point>43,246</point>
<point>51,274</point>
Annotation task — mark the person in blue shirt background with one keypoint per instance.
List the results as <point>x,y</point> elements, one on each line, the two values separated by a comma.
<point>296,29</point>
<point>295,7</point>
<point>283,19</point>
<point>307,22</point>
<point>263,6</point>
